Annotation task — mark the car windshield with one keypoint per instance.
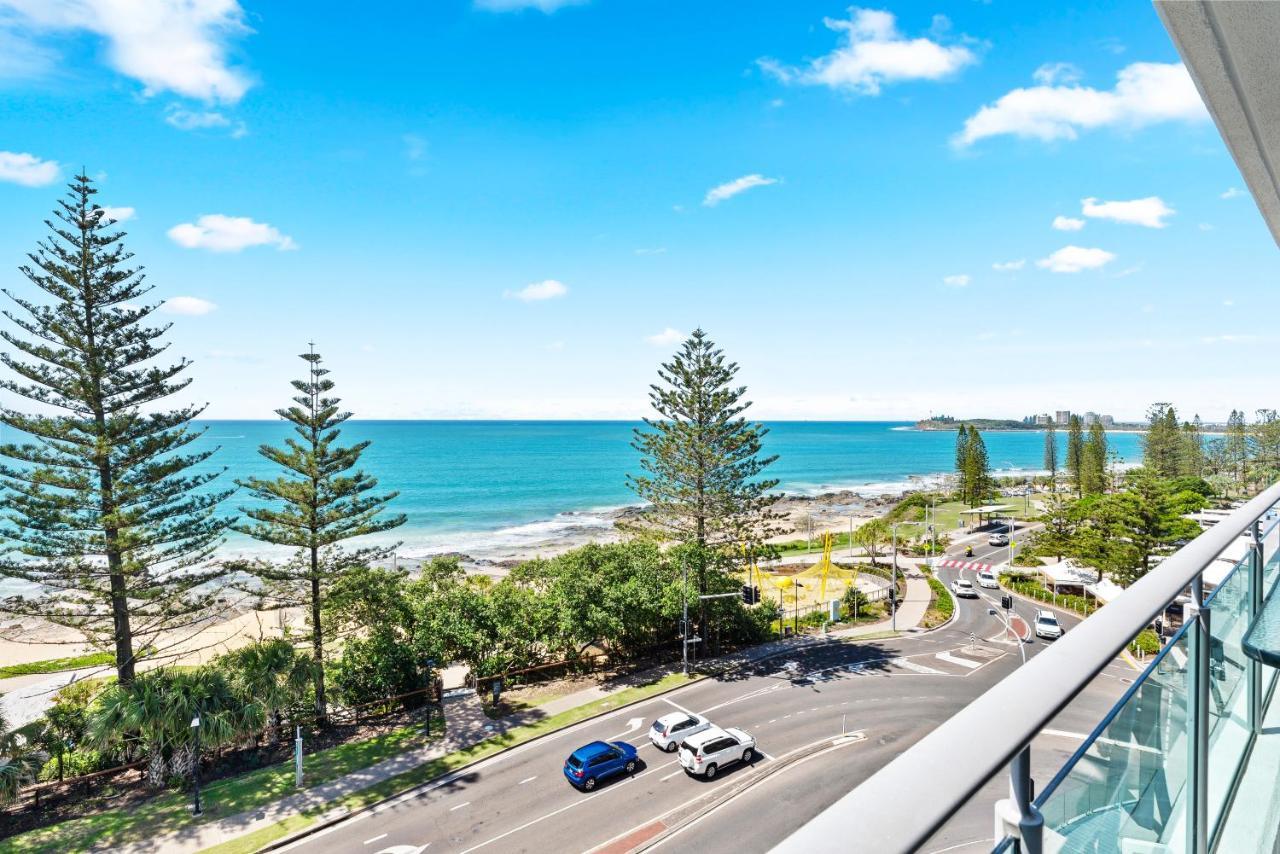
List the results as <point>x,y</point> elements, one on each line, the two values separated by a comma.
<point>684,745</point>
<point>964,583</point>
<point>1049,619</point>
<point>574,762</point>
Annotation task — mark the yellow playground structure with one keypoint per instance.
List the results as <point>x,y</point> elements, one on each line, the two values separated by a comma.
<point>807,588</point>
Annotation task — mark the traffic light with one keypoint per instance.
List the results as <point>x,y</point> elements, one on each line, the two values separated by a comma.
<point>750,594</point>
<point>1006,602</point>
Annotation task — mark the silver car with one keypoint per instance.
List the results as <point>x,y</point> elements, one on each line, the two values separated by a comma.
<point>668,731</point>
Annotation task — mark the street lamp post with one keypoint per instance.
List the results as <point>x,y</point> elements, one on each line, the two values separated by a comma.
<point>195,730</point>
<point>684,618</point>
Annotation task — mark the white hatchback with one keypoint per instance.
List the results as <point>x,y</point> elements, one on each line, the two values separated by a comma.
<point>710,750</point>
<point>988,580</point>
<point>668,731</point>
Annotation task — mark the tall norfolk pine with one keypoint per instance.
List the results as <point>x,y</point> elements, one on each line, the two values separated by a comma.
<point>702,460</point>
<point>101,507</point>
<point>318,503</point>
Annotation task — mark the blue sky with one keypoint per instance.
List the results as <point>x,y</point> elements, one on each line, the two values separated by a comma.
<point>510,209</point>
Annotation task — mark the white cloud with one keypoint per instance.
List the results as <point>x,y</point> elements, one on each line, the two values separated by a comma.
<point>189,306</point>
<point>414,146</point>
<point>729,189</point>
<point>538,291</point>
<point>666,338</point>
<point>1231,193</point>
<point>544,6</point>
<point>1066,223</point>
<point>1228,302</point>
<point>1150,212</point>
<point>1055,73</point>
<point>1009,266</point>
<point>220,233</point>
<point>184,119</point>
<point>1229,339</point>
<point>1145,93</point>
<point>1073,259</point>
<point>959,280</point>
<point>873,54</point>
<point>27,169</point>
<point>177,46</point>
<point>656,250</point>
<point>120,214</point>
<point>1205,226</point>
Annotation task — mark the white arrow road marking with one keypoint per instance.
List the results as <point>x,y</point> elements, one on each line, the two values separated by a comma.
<point>632,726</point>
<point>405,849</point>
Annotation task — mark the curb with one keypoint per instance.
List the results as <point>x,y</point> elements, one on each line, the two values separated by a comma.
<point>325,824</point>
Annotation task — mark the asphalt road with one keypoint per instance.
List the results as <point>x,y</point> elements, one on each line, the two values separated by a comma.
<point>888,693</point>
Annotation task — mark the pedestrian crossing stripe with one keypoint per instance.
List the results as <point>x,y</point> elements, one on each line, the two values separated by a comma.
<point>966,564</point>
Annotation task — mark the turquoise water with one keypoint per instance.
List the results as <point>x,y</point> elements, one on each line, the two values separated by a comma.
<point>490,488</point>
<point>497,484</point>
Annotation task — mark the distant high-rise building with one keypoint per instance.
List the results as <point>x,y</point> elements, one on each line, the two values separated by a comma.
<point>1062,416</point>
<point>1090,418</point>
<point>1108,421</point>
<point>1042,420</point>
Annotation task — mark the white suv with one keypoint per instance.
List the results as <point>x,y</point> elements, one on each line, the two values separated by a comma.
<point>668,731</point>
<point>988,579</point>
<point>1047,625</point>
<point>712,749</point>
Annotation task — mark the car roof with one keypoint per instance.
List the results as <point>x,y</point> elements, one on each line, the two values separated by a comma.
<point>676,717</point>
<point>586,751</point>
<point>1040,615</point>
<point>964,581</point>
<point>700,738</point>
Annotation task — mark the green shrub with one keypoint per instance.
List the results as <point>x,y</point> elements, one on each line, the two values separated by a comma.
<point>374,668</point>
<point>1147,642</point>
<point>75,763</point>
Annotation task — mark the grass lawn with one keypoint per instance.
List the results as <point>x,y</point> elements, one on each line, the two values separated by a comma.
<point>169,812</point>
<point>54,665</point>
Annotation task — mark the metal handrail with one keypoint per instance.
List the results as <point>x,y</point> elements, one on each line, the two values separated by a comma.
<point>904,803</point>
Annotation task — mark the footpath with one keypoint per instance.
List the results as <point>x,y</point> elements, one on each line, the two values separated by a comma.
<point>467,726</point>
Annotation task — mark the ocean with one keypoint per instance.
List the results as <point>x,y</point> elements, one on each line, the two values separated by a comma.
<point>487,487</point>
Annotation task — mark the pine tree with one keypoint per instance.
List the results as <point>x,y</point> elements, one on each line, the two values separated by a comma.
<point>1237,448</point>
<point>977,467</point>
<point>1075,452</point>
<point>102,507</point>
<point>962,462</point>
<point>1191,462</point>
<point>1163,446</point>
<point>1051,454</point>
<point>320,501</point>
<point>1265,443</point>
<point>702,460</point>
<point>1093,464</point>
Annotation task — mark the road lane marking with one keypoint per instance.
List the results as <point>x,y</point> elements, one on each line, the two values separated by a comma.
<point>774,721</point>
<point>376,838</point>
<point>669,776</point>
<point>527,780</point>
<point>460,806</point>
<point>914,667</point>
<point>677,705</point>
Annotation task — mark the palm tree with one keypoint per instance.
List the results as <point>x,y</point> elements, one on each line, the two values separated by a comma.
<point>19,760</point>
<point>271,672</point>
<point>157,711</point>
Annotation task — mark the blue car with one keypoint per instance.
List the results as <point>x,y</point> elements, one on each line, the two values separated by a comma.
<point>593,762</point>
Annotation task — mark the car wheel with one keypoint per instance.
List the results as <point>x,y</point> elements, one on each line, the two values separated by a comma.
<point>671,748</point>
<point>631,767</point>
<point>711,771</point>
<point>588,784</point>
<point>746,756</point>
